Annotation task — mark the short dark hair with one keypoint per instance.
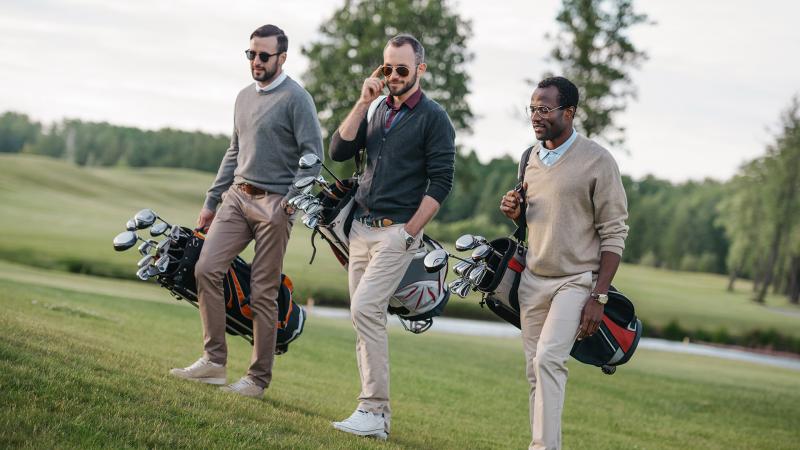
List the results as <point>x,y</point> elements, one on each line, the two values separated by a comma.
<point>403,39</point>
<point>567,91</point>
<point>272,30</point>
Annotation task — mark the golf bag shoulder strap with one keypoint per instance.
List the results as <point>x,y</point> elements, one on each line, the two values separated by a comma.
<point>374,106</point>
<point>370,113</point>
<point>519,233</point>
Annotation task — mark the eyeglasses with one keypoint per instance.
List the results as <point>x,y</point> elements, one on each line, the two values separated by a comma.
<point>403,71</point>
<point>263,56</point>
<point>543,111</point>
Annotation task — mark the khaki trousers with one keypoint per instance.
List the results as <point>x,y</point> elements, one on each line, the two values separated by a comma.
<point>378,261</point>
<point>550,314</point>
<point>240,219</point>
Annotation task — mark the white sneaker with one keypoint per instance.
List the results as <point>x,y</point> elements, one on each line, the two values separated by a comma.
<point>246,387</point>
<point>203,371</point>
<point>364,423</point>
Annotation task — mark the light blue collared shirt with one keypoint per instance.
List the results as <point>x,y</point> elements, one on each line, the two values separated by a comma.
<point>549,157</point>
<point>275,83</point>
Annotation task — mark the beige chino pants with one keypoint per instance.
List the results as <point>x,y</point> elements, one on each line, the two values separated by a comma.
<point>378,261</point>
<point>240,219</point>
<point>550,314</point>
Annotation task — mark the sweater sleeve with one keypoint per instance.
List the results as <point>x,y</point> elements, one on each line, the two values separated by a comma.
<point>341,150</point>
<point>224,174</point>
<point>307,135</point>
<point>440,152</point>
<point>610,207</point>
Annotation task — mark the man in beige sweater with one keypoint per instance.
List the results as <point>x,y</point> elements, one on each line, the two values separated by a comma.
<point>574,207</point>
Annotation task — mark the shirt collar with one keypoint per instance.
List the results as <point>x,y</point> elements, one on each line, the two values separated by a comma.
<point>563,147</point>
<point>275,83</point>
<point>411,102</point>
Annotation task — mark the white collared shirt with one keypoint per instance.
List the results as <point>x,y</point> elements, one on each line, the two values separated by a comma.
<point>549,157</point>
<point>275,83</point>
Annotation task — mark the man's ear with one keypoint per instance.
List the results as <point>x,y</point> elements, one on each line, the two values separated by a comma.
<point>282,58</point>
<point>421,69</point>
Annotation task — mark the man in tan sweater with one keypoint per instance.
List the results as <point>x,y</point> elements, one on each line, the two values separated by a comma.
<point>575,210</point>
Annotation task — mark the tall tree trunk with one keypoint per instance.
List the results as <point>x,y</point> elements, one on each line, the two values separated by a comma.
<point>793,290</point>
<point>732,279</point>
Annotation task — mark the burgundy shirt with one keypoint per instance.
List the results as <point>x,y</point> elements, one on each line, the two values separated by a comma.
<point>393,111</point>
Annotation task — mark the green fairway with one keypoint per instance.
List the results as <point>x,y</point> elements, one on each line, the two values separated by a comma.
<point>82,365</point>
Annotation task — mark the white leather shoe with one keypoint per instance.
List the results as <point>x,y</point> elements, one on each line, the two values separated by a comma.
<point>203,371</point>
<point>363,423</point>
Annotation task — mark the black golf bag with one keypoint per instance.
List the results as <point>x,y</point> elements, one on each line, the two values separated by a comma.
<point>612,345</point>
<point>180,281</point>
<point>420,297</point>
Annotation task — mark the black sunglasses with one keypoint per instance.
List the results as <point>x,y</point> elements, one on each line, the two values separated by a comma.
<point>263,56</point>
<point>403,71</point>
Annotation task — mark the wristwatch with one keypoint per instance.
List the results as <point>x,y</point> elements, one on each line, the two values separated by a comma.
<point>409,239</point>
<point>601,298</point>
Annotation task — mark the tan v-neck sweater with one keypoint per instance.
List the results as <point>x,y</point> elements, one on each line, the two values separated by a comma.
<point>576,209</point>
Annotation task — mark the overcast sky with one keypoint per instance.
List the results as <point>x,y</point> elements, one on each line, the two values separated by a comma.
<point>718,76</point>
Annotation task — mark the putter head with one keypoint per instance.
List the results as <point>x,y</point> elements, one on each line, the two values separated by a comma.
<point>466,242</point>
<point>158,229</point>
<point>435,260</point>
<point>131,225</point>
<point>143,274</point>
<point>308,161</point>
<point>481,252</point>
<point>162,264</point>
<point>144,218</point>
<point>305,181</point>
<point>145,261</point>
<point>125,240</point>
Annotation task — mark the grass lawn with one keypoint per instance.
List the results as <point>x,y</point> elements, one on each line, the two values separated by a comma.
<point>84,360</point>
<point>56,215</point>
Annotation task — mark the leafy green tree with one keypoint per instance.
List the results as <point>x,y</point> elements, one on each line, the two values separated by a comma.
<point>594,51</point>
<point>351,45</point>
<point>17,130</point>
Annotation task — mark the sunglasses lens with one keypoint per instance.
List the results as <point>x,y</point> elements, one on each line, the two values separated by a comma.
<point>387,71</point>
<point>250,54</point>
<point>264,57</point>
<point>402,71</point>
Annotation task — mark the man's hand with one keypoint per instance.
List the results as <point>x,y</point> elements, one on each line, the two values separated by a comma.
<point>286,208</point>
<point>372,87</point>
<point>205,218</point>
<point>591,317</point>
<point>510,203</point>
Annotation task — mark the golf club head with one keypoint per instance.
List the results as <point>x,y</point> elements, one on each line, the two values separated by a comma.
<point>308,161</point>
<point>462,268</point>
<point>435,260</point>
<point>145,248</point>
<point>480,240</point>
<point>307,190</point>
<point>293,201</point>
<point>322,181</point>
<point>310,221</point>
<point>143,274</point>
<point>158,229</point>
<point>481,252</point>
<point>152,271</point>
<point>163,247</point>
<point>145,261</point>
<point>466,242</point>
<point>303,182</point>
<point>125,240</point>
<point>144,218</point>
<point>131,225</point>
<point>162,264</point>
<point>175,233</point>
<point>476,275</point>
<point>463,290</point>
<point>314,208</point>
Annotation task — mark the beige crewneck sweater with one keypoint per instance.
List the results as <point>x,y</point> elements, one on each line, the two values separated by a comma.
<point>576,209</point>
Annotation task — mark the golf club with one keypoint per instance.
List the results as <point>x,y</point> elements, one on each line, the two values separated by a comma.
<point>310,160</point>
<point>158,229</point>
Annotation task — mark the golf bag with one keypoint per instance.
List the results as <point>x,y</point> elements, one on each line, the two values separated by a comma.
<point>180,281</point>
<point>420,297</point>
<point>612,345</point>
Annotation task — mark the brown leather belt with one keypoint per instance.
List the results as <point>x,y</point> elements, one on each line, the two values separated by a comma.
<point>250,189</point>
<point>375,223</point>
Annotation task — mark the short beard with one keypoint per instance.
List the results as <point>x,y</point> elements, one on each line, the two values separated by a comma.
<point>268,74</point>
<point>405,88</point>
